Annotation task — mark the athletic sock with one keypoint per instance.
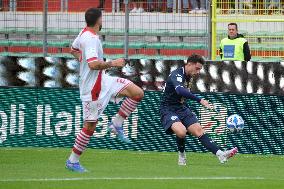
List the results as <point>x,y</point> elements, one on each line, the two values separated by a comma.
<point>219,153</point>
<point>180,144</point>
<point>118,120</point>
<point>208,143</point>
<point>81,142</point>
<point>126,108</point>
<point>74,158</point>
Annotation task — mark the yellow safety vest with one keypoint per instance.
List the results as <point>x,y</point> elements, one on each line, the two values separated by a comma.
<point>232,49</point>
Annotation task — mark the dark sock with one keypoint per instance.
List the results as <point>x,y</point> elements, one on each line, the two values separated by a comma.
<point>180,144</point>
<point>208,143</point>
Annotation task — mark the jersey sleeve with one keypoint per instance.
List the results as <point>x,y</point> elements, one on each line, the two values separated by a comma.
<point>91,49</point>
<point>176,80</point>
<point>75,45</point>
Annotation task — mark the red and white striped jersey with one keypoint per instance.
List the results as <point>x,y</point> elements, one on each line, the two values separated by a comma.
<point>88,44</point>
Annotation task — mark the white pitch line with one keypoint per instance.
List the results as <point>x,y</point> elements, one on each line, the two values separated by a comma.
<point>130,178</point>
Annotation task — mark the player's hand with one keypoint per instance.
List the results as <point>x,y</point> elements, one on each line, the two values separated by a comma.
<point>206,103</point>
<point>118,62</point>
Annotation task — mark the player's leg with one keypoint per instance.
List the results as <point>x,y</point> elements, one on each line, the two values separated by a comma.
<point>90,116</point>
<point>193,127</point>
<point>134,95</point>
<point>172,124</point>
<point>197,131</point>
<point>81,142</point>
<point>179,129</point>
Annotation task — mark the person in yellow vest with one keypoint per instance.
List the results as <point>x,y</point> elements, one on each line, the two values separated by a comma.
<point>235,46</point>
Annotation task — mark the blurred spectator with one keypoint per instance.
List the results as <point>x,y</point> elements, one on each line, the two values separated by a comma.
<point>152,7</point>
<point>246,4</point>
<point>1,5</point>
<point>270,5</point>
<point>137,6</point>
<point>170,6</point>
<point>195,9</point>
<point>235,46</point>
<point>101,5</point>
<point>64,5</point>
<point>225,6</point>
<point>12,5</point>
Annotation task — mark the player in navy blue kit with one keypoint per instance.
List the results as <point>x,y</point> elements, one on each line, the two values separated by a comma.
<point>176,115</point>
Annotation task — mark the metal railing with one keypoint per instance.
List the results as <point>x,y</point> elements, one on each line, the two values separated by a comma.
<point>156,29</point>
<point>151,29</point>
<point>261,22</point>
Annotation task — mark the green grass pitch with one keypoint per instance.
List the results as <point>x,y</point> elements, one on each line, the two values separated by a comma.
<point>44,168</point>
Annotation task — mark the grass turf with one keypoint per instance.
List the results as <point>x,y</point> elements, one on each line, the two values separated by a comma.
<point>44,168</point>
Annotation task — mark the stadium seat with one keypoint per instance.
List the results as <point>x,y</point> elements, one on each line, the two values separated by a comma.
<point>36,43</point>
<point>20,43</point>
<point>141,44</point>
<point>260,33</point>
<point>56,31</point>
<point>7,30</point>
<point>61,44</point>
<point>173,45</point>
<point>108,44</point>
<point>194,46</point>
<point>266,47</point>
<point>137,45</point>
<point>119,32</point>
<point>155,45</point>
<point>5,43</point>
<point>189,33</point>
<point>178,45</point>
<point>27,31</point>
<point>137,32</point>
<point>157,33</point>
<point>113,45</point>
<point>278,34</point>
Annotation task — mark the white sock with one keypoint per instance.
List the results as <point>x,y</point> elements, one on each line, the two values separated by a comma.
<point>219,153</point>
<point>74,158</point>
<point>181,154</point>
<point>118,120</point>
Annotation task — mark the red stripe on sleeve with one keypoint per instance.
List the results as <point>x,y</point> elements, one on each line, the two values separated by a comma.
<point>92,59</point>
<point>74,49</point>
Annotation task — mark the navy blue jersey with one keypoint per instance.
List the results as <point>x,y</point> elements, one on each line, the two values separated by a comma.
<point>175,79</point>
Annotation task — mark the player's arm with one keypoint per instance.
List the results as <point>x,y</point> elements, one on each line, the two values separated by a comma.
<point>92,47</point>
<point>221,53</point>
<point>76,54</point>
<point>75,49</point>
<point>246,51</point>
<point>220,50</point>
<point>101,65</point>
<point>189,95</point>
<point>181,90</point>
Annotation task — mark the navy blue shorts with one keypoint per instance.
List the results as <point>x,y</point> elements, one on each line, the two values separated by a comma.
<point>170,115</point>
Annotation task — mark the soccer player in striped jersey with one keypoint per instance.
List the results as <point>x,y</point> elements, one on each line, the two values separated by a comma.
<point>97,88</point>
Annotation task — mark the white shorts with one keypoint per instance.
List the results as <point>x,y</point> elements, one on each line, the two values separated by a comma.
<point>93,109</point>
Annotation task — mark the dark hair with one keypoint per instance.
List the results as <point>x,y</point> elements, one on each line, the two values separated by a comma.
<point>194,58</point>
<point>233,24</point>
<point>92,15</point>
